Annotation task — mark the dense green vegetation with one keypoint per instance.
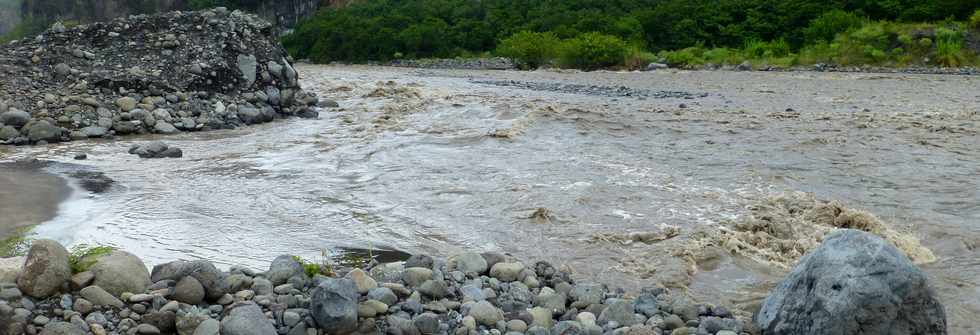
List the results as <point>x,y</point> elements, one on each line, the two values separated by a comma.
<point>601,33</point>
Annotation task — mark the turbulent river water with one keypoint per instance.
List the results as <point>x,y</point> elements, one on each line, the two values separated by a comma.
<point>552,166</point>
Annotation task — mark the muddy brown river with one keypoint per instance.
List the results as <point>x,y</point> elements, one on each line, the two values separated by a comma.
<point>610,174</point>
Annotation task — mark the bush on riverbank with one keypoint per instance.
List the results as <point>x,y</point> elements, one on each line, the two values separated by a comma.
<point>530,49</point>
<point>785,32</point>
<point>881,43</point>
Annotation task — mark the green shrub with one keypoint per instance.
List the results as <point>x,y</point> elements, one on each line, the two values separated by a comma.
<point>530,49</point>
<point>826,26</point>
<point>638,59</point>
<point>975,20</point>
<point>878,35</point>
<point>821,52</point>
<point>313,268</point>
<point>772,49</point>
<point>593,50</point>
<point>83,256</point>
<point>684,57</point>
<point>723,56</point>
<point>949,47</point>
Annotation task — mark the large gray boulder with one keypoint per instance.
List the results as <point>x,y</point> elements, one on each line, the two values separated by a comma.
<point>43,131</point>
<point>189,291</point>
<point>246,318</point>
<point>334,305</point>
<point>283,268</point>
<point>46,269</point>
<point>204,271</point>
<point>15,117</point>
<point>8,133</point>
<point>120,272</point>
<point>854,283</point>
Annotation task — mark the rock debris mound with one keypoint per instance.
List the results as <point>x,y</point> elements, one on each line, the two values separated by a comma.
<point>164,73</point>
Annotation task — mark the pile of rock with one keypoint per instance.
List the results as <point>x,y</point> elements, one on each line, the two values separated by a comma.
<point>165,73</point>
<point>855,284</point>
<point>466,294</point>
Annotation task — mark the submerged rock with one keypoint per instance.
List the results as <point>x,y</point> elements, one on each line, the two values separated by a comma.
<point>853,283</point>
<point>156,149</point>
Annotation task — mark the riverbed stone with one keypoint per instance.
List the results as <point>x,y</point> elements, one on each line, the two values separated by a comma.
<point>46,269</point>
<point>15,118</point>
<point>541,317</point>
<point>415,276</point>
<point>364,282</point>
<point>417,260</point>
<point>8,133</point>
<point>435,289</point>
<point>126,104</point>
<point>468,262</point>
<point>486,313</point>
<point>10,268</point>
<point>333,305</point>
<point>621,311</point>
<point>43,131</point>
<point>163,127</point>
<point>383,294</point>
<point>100,297</point>
<point>283,268</point>
<point>246,65</point>
<point>551,300</point>
<point>208,327</point>
<point>212,279</point>
<point>506,272</point>
<point>853,283</point>
<point>189,291</point>
<point>120,272</point>
<point>62,328</point>
<point>246,318</point>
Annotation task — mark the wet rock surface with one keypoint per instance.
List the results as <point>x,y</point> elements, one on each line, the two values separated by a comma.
<point>156,149</point>
<point>854,283</point>
<point>165,73</point>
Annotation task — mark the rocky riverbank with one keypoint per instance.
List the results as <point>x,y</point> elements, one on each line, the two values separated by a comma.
<point>103,291</point>
<point>826,68</point>
<point>165,73</point>
<point>494,63</point>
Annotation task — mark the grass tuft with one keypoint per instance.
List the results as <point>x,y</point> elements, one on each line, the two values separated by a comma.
<point>84,256</point>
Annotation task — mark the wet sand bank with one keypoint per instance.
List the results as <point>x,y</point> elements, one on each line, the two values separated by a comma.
<point>28,196</point>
